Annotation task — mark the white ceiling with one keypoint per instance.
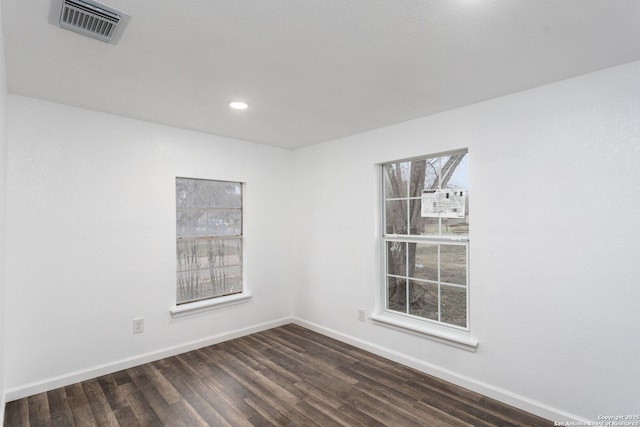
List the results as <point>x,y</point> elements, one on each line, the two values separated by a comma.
<point>313,70</point>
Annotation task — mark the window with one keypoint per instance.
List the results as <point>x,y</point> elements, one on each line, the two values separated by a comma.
<point>426,239</point>
<point>208,239</point>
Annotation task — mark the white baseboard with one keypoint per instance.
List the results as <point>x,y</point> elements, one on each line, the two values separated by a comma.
<point>86,374</point>
<point>504,396</point>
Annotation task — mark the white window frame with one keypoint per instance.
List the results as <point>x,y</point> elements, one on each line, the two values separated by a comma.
<point>216,302</point>
<point>454,335</point>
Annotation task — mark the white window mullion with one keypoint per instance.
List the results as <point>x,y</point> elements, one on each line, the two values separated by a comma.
<point>406,253</point>
<point>467,288</point>
<point>439,288</point>
<point>406,279</point>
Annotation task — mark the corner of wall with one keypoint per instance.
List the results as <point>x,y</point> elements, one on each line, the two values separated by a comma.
<point>3,170</point>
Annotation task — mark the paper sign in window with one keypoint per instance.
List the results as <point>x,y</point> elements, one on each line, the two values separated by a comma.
<point>443,203</point>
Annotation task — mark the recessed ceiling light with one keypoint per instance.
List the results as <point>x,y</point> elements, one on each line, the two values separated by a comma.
<point>238,105</point>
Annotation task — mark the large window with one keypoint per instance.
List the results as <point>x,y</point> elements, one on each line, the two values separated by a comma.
<point>209,239</point>
<point>426,239</point>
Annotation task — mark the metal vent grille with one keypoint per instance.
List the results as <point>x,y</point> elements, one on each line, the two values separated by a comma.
<point>92,19</point>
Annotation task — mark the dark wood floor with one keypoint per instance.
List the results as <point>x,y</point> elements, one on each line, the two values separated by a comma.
<point>284,376</point>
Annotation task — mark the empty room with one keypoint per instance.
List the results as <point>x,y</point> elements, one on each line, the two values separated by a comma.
<point>337,212</point>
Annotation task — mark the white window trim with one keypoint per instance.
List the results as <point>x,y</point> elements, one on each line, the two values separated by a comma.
<point>189,308</point>
<point>445,334</point>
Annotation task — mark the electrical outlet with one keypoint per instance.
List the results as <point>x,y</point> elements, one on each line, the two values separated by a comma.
<point>138,325</point>
<point>361,314</point>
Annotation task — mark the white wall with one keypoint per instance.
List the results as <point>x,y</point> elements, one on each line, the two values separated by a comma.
<point>554,200</point>
<point>91,239</point>
<point>3,174</point>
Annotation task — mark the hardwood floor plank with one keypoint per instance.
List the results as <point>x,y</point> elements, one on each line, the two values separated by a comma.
<point>230,392</point>
<point>456,400</point>
<point>39,414</point>
<point>260,421</point>
<point>126,417</point>
<point>240,351</point>
<point>255,381</point>
<point>183,414</point>
<point>465,412</point>
<point>262,359</point>
<point>322,357</point>
<point>17,413</point>
<point>278,414</point>
<point>121,377</point>
<point>315,394</point>
<point>320,404</point>
<point>99,404</point>
<point>332,400</point>
<point>151,395</point>
<point>286,376</point>
<point>80,408</point>
<point>61,414</point>
<point>382,378</point>
<point>311,413</point>
<point>275,337</point>
<point>362,418</point>
<point>431,416</point>
<point>325,353</point>
<point>203,399</point>
<point>375,408</point>
<point>139,405</point>
<point>112,392</point>
<point>306,366</point>
<point>160,383</point>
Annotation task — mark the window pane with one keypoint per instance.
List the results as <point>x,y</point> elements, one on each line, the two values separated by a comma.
<point>395,180</point>
<point>453,264</point>
<point>447,172</point>
<point>197,222</point>
<point>396,217</point>
<point>453,305</point>
<point>397,294</point>
<point>455,225</point>
<point>423,263</point>
<point>224,222</point>
<point>187,221</point>
<point>189,285</point>
<point>226,280</point>
<point>418,223</point>
<point>423,299</point>
<point>396,258</point>
<point>455,172</point>
<point>225,252</point>
<point>209,283</point>
<point>194,254</point>
<point>459,179</point>
<point>207,193</point>
<point>191,255</point>
<point>424,174</point>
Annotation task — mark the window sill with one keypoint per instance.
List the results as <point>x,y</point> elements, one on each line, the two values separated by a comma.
<point>210,304</point>
<point>453,338</point>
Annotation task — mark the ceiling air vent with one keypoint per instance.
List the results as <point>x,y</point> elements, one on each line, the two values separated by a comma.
<point>90,18</point>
